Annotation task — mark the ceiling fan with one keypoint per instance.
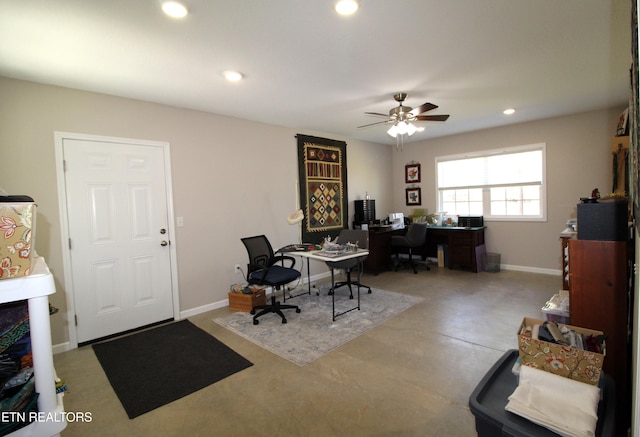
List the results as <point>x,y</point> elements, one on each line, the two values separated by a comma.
<point>402,116</point>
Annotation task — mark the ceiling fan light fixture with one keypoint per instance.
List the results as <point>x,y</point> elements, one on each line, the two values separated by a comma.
<point>393,131</point>
<point>411,129</point>
<point>403,127</point>
<point>174,9</point>
<point>232,75</point>
<point>346,7</point>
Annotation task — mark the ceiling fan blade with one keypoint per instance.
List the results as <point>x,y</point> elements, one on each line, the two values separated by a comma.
<point>377,114</point>
<point>443,117</point>
<point>373,124</point>
<point>422,108</point>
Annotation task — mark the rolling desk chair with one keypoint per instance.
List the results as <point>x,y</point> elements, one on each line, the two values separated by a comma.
<point>263,270</point>
<point>415,237</point>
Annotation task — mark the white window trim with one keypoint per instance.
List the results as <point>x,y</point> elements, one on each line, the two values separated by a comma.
<point>494,152</point>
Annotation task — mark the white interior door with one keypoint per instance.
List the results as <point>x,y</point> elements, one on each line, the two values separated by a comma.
<point>117,215</point>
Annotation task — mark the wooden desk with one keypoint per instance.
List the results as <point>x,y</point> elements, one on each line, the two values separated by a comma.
<point>461,244</point>
<point>379,258</point>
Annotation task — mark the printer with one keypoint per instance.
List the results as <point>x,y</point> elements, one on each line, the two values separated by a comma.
<point>396,220</point>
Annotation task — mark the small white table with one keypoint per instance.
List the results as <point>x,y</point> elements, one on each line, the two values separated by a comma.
<point>323,256</point>
<point>36,289</point>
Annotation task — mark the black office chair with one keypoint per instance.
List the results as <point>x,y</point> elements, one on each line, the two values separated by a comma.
<point>263,270</point>
<point>350,236</point>
<point>415,237</point>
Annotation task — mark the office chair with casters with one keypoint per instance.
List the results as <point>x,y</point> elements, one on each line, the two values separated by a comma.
<point>264,270</point>
<point>415,237</point>
<point>350,236</point>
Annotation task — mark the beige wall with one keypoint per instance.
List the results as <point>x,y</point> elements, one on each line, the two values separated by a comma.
<point>231,178</point>
<point>578,160</point>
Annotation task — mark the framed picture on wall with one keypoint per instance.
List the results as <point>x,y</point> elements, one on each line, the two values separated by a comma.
<point>413,196</point>
<point>412,173</point>
<point>623,124</point>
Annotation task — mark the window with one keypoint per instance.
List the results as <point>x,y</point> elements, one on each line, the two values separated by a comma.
<point>505,184</point>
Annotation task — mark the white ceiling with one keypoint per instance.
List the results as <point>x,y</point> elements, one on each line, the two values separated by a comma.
<point>309,69</point>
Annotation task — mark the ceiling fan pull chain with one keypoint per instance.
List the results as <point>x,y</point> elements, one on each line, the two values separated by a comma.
<point>400,143</point>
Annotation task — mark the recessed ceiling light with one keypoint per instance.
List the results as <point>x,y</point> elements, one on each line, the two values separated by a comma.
<point>509,111</point>
<point>232,75</point>
<point>346,7</point>
<point>175,9</point>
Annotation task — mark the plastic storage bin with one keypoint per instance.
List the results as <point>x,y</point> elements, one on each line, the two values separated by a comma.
<point>489,398</point>
<point>492,262</point>
<point>557,309</point>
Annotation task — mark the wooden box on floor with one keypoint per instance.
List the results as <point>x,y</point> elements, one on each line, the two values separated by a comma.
<point>245,302</point>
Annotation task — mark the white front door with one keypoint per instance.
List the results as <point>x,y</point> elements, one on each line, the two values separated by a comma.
<point>116,197</point>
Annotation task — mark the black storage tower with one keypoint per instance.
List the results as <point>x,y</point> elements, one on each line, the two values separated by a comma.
<point>365,211</point>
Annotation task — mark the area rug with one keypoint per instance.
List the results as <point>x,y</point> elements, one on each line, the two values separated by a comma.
<point>155,367</point>
<point>311,333</point>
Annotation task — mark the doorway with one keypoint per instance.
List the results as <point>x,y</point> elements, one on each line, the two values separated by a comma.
<point>117,227</point>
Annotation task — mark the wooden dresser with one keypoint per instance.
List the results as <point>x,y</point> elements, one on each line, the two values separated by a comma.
<point>599,284</point>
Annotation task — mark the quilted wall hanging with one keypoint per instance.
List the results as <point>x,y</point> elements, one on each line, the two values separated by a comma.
<point>322,166</point>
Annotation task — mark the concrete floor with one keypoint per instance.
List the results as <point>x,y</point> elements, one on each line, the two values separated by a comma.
<point>410,376</point>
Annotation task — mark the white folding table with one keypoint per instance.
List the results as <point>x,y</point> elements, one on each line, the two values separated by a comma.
<point>320,255</point>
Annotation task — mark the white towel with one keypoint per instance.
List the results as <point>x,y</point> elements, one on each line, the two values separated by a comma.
<point>565,406</point>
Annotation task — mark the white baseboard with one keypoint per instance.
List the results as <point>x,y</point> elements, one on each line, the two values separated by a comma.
<point>542,271</point>
<point>61,347</point>
<point>204,308</point>
<point>225,302</point>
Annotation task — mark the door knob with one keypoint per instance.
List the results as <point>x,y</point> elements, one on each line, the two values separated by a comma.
<point>163,243</point>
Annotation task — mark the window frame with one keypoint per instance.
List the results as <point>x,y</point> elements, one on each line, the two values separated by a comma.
<point>486,199</point>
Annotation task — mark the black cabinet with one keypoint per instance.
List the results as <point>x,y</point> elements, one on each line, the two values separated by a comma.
<point>365,211</point>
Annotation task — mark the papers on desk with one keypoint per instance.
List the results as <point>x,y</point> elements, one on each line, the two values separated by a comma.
<point>333,253</point>
<point>316,252</point>
<point>299,248</point>
<point>343,254</point>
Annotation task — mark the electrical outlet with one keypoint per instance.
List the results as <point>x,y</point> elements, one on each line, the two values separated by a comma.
<point>236,268</point>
